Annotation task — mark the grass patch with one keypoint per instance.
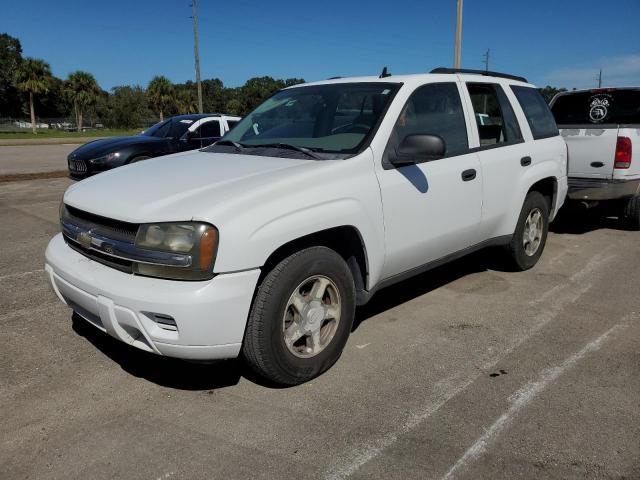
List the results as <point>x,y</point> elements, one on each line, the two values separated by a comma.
<point>47,133</point>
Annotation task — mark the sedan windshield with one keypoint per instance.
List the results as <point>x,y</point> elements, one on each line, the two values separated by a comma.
<point>333,118</point>
<point>172,128</point>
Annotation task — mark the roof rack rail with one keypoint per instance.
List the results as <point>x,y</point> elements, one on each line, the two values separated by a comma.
<point>488,73</point>
<point>334,78</point>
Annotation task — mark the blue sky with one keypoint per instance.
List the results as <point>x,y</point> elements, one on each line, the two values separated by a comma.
<point>562,43</point>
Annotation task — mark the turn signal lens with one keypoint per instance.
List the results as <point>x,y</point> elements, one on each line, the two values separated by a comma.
<point>208,246</point>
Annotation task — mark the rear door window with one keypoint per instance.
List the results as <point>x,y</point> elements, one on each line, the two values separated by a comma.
<point>539,117</point>
<point>598,107</point>
<point>493,113</point>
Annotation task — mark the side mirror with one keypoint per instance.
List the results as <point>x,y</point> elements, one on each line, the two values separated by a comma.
<point>418,149</point>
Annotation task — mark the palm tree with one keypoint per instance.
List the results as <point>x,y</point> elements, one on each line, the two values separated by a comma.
<point>161,93</point>
<point>82,90</point>
<point>186,102</point>
<point>33,76</point>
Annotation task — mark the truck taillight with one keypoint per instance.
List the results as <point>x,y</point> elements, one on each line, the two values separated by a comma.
<point>623,153</point>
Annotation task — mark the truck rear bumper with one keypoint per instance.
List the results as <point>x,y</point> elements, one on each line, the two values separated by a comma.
<point>601,188</point>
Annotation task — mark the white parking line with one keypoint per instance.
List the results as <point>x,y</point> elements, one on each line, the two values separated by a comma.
<point>448,388</point>
<point>523,397</point>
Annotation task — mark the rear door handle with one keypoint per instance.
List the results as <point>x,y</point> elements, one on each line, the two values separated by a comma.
<point>525,161</point>
<point>468,175</point>
<point>597,164</point>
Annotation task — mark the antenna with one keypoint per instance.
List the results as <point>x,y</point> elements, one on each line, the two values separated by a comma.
<point>385,73</point>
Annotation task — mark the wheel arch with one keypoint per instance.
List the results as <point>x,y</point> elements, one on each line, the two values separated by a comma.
<point>346,240</point>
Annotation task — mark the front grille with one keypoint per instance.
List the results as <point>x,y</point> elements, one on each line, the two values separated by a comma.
<point>113,262</point>
<point>77,166</point>
<point>106,227</point>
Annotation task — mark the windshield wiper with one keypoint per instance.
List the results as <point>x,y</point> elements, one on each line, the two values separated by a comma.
<point>287,146</point>
<point>231,143</point>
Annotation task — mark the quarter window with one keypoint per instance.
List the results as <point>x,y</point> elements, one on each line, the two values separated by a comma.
<point>538,115</point>
<point>493,113</point>
<point>434,109</point>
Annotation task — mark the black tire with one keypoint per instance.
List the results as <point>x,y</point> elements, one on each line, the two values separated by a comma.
<point>631,213</point>
<point>264,348</point>
<point>139,158</point>
<point>520,259</point>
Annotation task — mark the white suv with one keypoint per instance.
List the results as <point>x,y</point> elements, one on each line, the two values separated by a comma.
<point>263,244</point>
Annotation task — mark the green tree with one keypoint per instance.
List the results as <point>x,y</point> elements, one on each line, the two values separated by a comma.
<point>126,107</point>
<point>82,91</point>
<point>34,77</point>
<point>549,92</point>
<point>162,94</point>
<point>10,59</point>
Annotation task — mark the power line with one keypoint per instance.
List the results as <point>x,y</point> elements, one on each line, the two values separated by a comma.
<point>486,60</point>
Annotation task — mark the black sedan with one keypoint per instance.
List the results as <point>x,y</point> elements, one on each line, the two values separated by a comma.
<point>176,134</point>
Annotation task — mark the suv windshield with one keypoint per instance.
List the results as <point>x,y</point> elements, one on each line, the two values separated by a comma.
<point>335,118</point>
<point>172,128</point>
<point>597,107</point>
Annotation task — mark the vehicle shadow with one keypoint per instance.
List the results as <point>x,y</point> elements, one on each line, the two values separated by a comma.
<point>164,371</point>
<point>193,376</point>
<point>484,260</point>
<point>578,221</point>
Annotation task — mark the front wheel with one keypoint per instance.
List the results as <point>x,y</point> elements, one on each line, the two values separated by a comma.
<point>301,317</point>
<point>530,237</point>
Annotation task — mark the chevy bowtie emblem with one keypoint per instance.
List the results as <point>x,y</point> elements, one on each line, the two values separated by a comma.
<point>84,239</point>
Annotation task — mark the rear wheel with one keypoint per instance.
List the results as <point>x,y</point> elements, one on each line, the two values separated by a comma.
<point>631,213</point>
<point>530,237</point>
<point>301,317</point>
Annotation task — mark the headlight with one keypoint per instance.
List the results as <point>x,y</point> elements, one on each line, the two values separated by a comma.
<point>199,241</point>
<point>107,158</point>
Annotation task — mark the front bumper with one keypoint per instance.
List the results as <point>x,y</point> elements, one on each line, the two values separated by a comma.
<point>602,188</point>
<point>210,316</point>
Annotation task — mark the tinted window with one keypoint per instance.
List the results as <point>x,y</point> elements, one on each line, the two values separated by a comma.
<point>598,107</point>
<point>537,112</point>
<point>232,123</point>
<point>158,130</point>
<point>494,116</point>
<point>209,129</point>
<point>179,127</point>
<point>435,109</point>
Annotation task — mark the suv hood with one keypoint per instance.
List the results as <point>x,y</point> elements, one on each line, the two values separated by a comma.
<point>178,187</point>
<point>101,147</point>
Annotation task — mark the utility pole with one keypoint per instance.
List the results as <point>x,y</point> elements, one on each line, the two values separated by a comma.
<point>196,55</point>
<point>600,79</point>
<point>458,46</point>
<point>486,60</point>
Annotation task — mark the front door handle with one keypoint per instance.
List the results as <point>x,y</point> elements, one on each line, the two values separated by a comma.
<point>468,175</point>
<point>525,161</point>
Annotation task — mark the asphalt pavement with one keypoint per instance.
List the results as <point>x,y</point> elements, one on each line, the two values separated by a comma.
<point>469,371</point>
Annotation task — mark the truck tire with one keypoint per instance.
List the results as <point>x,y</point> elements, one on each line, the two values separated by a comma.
<point>301,317</point>
<point>530,237</point>
<point>632,212</point>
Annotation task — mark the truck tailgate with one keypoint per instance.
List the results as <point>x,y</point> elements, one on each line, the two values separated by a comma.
<point>591,151</point>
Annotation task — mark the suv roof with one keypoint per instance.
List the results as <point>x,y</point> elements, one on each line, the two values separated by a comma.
<point>439,72</point>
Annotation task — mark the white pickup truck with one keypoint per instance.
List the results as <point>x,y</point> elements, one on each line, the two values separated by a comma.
<point>263,244</point>
<point>602,130</point>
